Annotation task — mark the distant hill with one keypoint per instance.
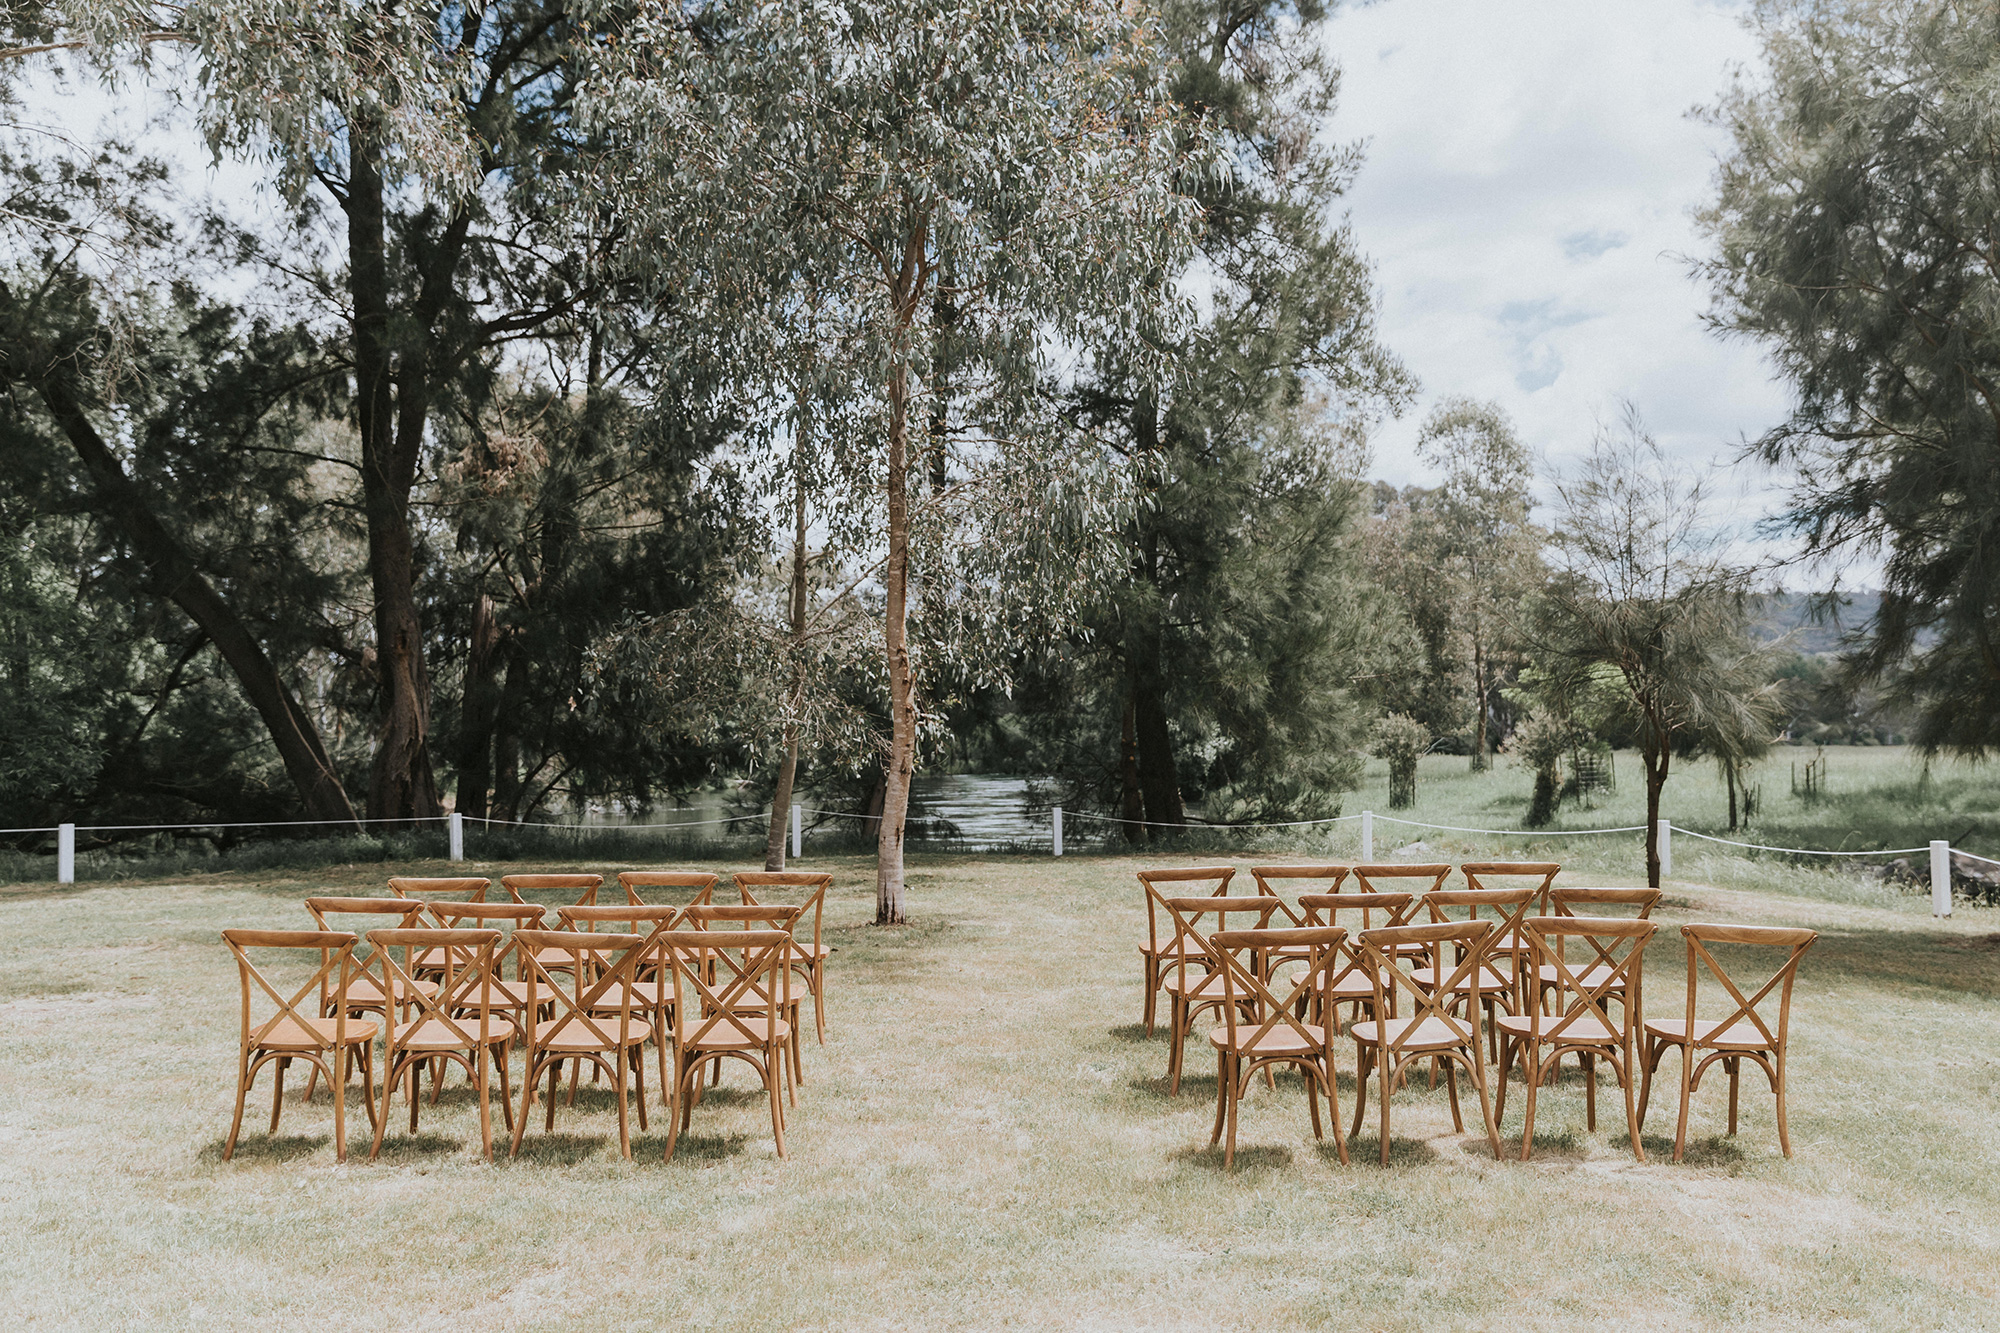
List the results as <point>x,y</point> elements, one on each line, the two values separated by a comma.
<point>1789,613</point>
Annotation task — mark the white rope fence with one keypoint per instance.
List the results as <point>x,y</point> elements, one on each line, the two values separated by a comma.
<point>1941,852</point>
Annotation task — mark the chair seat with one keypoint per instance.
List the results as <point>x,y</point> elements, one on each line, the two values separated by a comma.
<point>1433,977</point>
<point>731,1034</point>
<point>434,1034</point>
<point>318,1034</point>
<point>1280,1040</point>
<point>1202,985</point>
<point>1352,986</point>
<point>1740,1036</point>
<point>569,1033</point>
<point>1167,952</point>
<point>1412,1034</point>
<point>1590,977</point>
<point>1583,1031</point>
<point>366,992</point>
<point>807,950</point>
<point>645,995</point>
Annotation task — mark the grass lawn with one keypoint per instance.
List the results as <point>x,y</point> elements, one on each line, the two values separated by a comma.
<point>986,1141</point>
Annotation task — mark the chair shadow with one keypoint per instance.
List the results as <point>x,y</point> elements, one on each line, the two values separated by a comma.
<point>726,1096</point>
<point>560,1149</point>
<point>690,1147</point>
<point>1247,1158</point>
<point>417,1147</point>
<point>1715,1150</point>
<point>1134,1033</point>
<point>1564,1145</point>
<point>273,1149</point>
<point>1194,1087</point>
<point>1366,1150</point>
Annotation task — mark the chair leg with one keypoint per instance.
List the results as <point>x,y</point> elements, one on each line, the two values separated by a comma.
<point>278,1091</point>
<point>339,1111</point>
<point>1150,968</point>
<point>1221,1070</point>
<point>1235,1070</point>
<point>1687,1092</point>
<point>624,1116</point>
<point>242,1095</point>
<point>500,1054</point>
<point>1735,1066</point>
<point>1784,1134</point>
<point>1389,1075</point>
<point>1631,1107</point>
<point>1650,1051</point>
<point>773,1059</point>
<point>1333,1106</point>
<point>1486,1111</point>
<point>638,1058</point>
<point>555,1086</point>
<point>485,1108</point>
<point>382,1120</point>
<point>530,1076</point>
<point>1534,1063</point>
<point>1451,1086</point>
<point>819,997</point>
<point>1589,1092</point>
<point>364,1055</point>
<point>1311,1077</point>
<point>1176,1050</point>
<point>1362,1063</point>
<point>1501,1066</point>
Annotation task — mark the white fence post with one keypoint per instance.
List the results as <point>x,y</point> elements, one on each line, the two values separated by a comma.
<point>1666,830</point>
<point>66,854</point>
<point>798,829</point>
<point>455,830</point>
<point>1055,829</point>
<point>1940,877</point>
<point>1367,837</point>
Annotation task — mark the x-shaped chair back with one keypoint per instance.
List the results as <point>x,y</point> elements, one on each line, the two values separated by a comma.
<point>1247,997</point>
<point>465,889</point>
<point>1190,941</point>
<point>1326,909</point>
<point>596,995</point>
<point>1617,946</point>
<point>1401,878</point>
<point>648,919</point>
<point>289,1032</point>
<point>1566,901</point>
<point>404,912</point>
<point>1752,1008</point>
<point>1506,908</point>
<point>583,886</point>
<point>516,916</point>
<point>1178,881</point>
<point>1321,879</point>
<point>812,899</point>
<point>699,884</point>
<point>728,981</point>
<point>467,985</point>
<point>1379,950</point>
<point>1541,876</point>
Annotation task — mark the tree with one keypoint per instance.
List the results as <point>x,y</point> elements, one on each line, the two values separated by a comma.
<point>1641,585</point>
<point>864,151</point>
<point>1473,533</point>
<point>1857,237</point>
<point>1401,740</point>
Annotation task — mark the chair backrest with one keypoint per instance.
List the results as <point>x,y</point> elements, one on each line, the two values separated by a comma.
<point>467,985</point>
<point>463,888</point>
<point>726,979</point>
<point>516,916</point>
<point>771,887</point>
<point>645,918</point>
<point>1167,882</point>
<point>336,968</point>
<point>1505,908</point>
<point>1388,878</point>
<point>1189,946</point>
<point>700,884</point>
<point>402,912</point>
<point>1755,1007</point>
<point>1617,948</point>
<point>1248,1001</point>
<point>1540,875</point>
<point>1593,901</point>
<point>583,886</point>
<point>747,916</point>
<point>1301,879</point>
<point>1325,909</point>
<point>590,994</point>
<point>1378,951</point>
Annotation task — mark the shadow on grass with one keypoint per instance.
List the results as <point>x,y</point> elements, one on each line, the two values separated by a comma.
<point>726,1096</point>
<point>690,1147</point>
<point>1195,1087</point>
<point>561,1149</point>
<point>1716,1150</point>
<point>1135,1033</point>
<point>1547,1146</point>
<point>1247,1158</point>
<point>1366,1150</point>
<point>262,1149</point>
<point>400,1149</point>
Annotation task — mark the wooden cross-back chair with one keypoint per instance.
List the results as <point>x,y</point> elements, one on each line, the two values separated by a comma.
<point>1594,902</point>
<point>591,1019</point>
<point>1300,880</point>
<point>1156,954</point>
<point>1192,984</point>
<point>1350,983</point>
<point>731,988</point>
<point>1260,1030</point>
<point>465,1020</point>
<point>1747,1031</point>
<point>545,886</point>
<point>1499,975</point>
<point>806,957</point>
<point>1415,879</point>
<point>369,989</point>
<point>1424,1022</point>
<point>760,916</point>
<point>1512,946</point>
<point>699,884</point>
<point>460,888</point>
<point>650,990</point>
<point>1580,1021</point>
<point>289,1033</point>
<point>507,918</point>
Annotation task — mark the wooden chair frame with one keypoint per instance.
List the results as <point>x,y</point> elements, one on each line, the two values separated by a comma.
<point>808,960</point>
<point>369,990</point>
<point>585,885</point>
<point>1510,907</point>
<point>700,881</point>
<point>1189,946</point>
<point>1392,877</point>
<point>583,1008</point>
<point>289,1034</point>
<point>447,888</point>
<point>1401,1039</point>
<point>1564,901</point>
<point>1248,1004</point>
<point>1269,877</point>
<point>1153,957</point>
<point>1728,1040</point>
<point>770,916</point>
<point>1351,984</point>
<point>718,978</point>
<point>436,1034</point>
<point>651,989</point>
<point>1583,1026</point>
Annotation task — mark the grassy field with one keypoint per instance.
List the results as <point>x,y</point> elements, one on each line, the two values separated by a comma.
<point>986,1141</point>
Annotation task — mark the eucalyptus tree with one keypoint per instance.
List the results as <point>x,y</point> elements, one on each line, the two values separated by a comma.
<point>1641,585</point>
<point>1857,238</point>
<point>864,151</point>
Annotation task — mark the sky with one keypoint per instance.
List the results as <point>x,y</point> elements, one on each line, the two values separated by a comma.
<point>1532,172</point>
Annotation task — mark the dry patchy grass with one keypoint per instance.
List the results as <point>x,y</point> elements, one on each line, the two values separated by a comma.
<point>986,1141</point>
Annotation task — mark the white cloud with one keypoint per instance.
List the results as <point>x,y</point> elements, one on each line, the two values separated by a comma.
<point>1527,199</point>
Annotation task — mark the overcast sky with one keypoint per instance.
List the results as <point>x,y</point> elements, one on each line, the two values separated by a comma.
<point>1531,172</point>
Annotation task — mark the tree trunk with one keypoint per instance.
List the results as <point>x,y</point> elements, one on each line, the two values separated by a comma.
<point>1482,690</point>
<point>174,573</point>
<point>896,641</point>
<point>507,785</point>
<point>1131,805</point>
<point>781,795</point>
<point>1656,762</point>
<point>478,711</point>
<point>1729,780</point>
<point>1159,778</point>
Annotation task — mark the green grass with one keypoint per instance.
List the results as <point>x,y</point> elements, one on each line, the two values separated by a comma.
<point>986,1142</point>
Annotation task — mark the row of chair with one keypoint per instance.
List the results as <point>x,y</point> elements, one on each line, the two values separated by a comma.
<point>703,982</point>
<point>1419,971</point>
